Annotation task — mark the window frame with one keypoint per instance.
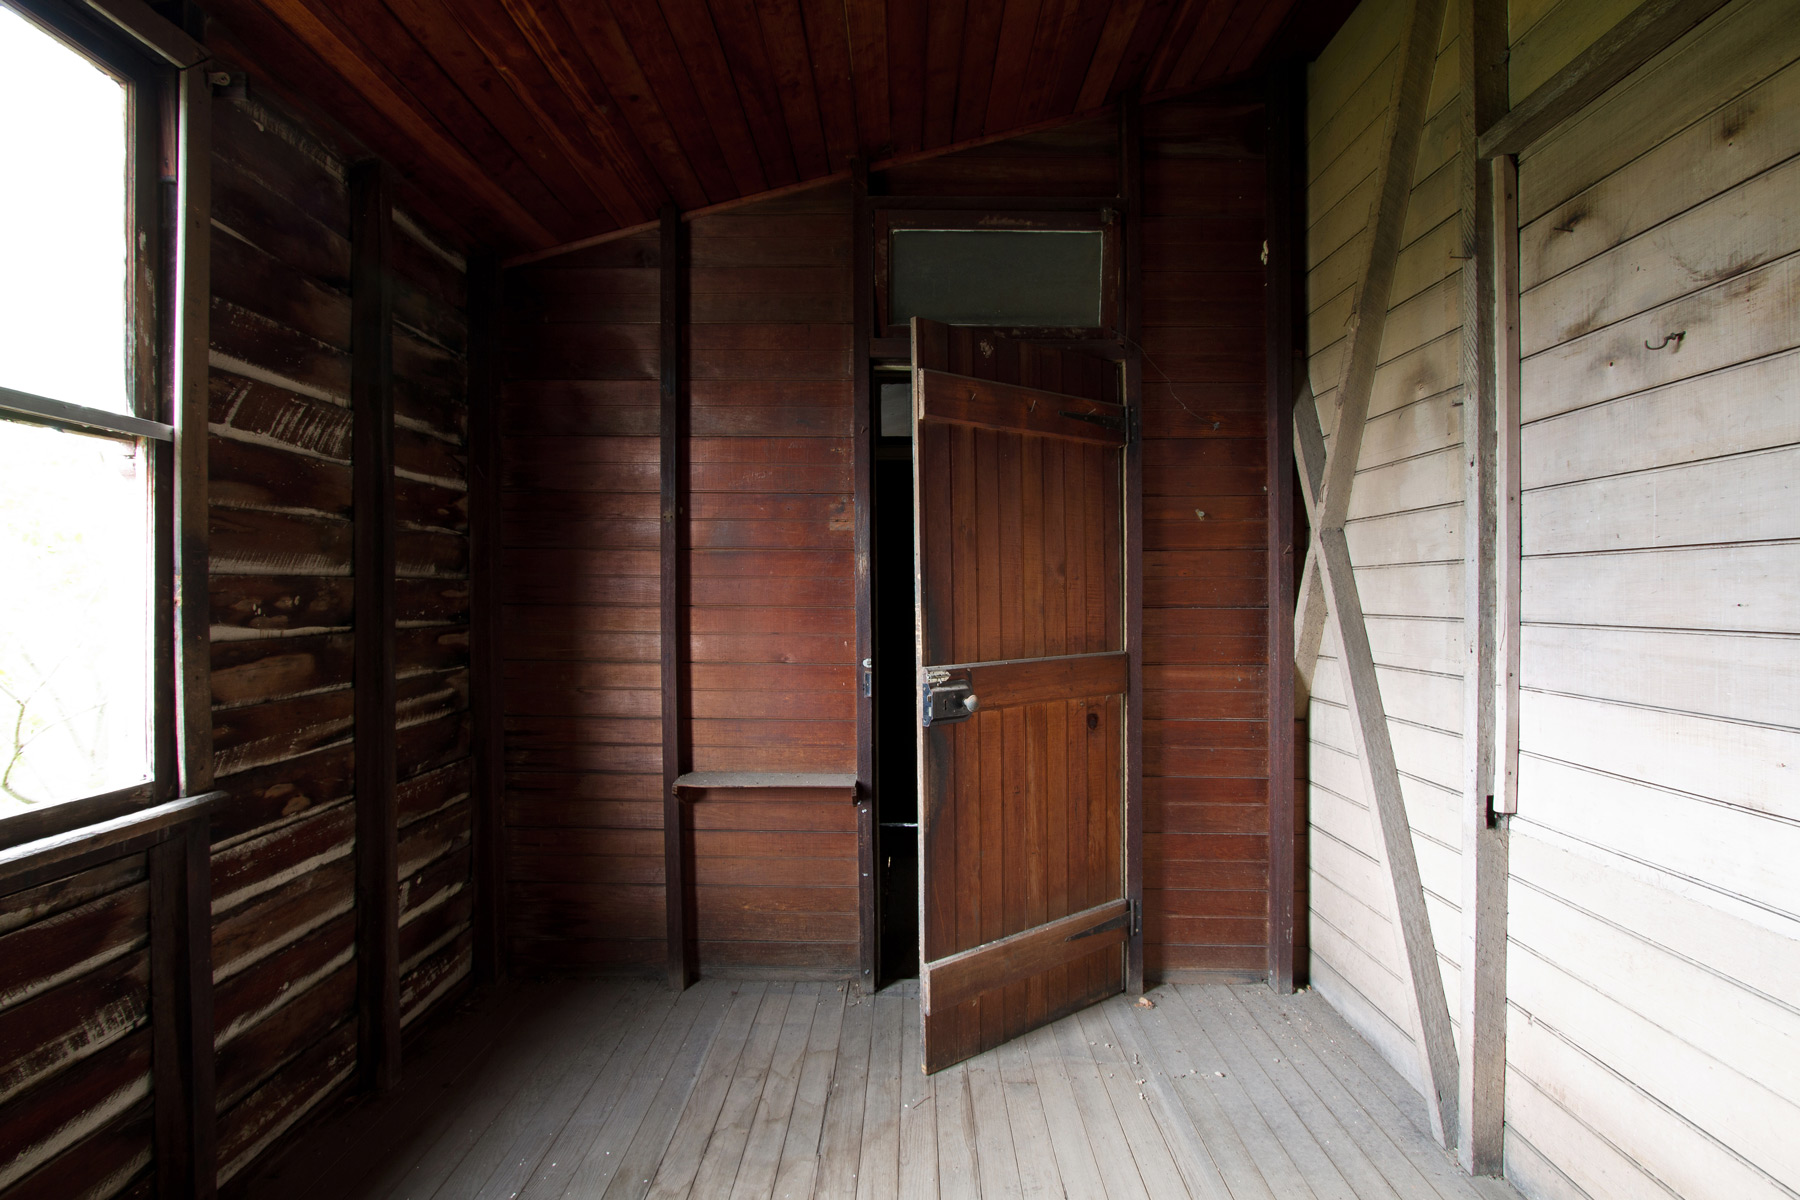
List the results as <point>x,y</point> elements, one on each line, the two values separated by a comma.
<point>888,221</point>
<point>153,120</point>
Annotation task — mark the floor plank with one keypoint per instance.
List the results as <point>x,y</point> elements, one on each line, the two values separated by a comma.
<point>996,1165</point>
<point>1121,1079</point>
<point>1032,1146</point>
<point>918,1110</point>
<point>718,1168</point>
<point>1192,1156</point>
<point>841,1139</point>
<point>481,1096</point>
<point>1275,1085</point>
<point>789,1090</point>
<point>632,1171</point>
<point>1276,1142</point>
<point>1075,1161</point>
<point>799,1165</point>
<point>556,1093</point>
<point>1112,1150</point>
<point>590,1146</point>
<point>676,1174</point>
<point>1347,1087</point>
<point>768,1132</point>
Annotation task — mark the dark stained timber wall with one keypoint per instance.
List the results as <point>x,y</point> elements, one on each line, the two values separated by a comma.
<point>284,624</point>
<point>1206,760</point>
<point>579,585</point>
<point>75,1094</point>
<point>770,623</point>
<point>433,762</point>
<point>283,861</point>
<point>769,659</point>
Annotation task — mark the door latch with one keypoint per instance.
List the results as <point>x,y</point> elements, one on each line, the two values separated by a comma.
<point>947,700</point>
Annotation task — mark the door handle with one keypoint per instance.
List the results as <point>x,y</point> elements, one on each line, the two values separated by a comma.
<point>946,700</point>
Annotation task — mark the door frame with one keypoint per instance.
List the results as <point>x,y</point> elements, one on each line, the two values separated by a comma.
<point>1123,342</point>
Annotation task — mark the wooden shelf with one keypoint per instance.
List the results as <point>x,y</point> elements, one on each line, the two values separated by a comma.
<point>823,780</point>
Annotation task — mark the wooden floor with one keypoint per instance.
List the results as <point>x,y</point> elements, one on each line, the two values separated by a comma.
<point>789,1090</point>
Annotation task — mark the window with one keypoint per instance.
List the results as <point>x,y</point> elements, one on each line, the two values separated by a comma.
<point>1055,273</point>
<point>79,452</point>
<point>1011,277</point>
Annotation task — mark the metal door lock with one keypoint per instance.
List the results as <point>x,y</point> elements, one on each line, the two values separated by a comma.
<point>947,700</point>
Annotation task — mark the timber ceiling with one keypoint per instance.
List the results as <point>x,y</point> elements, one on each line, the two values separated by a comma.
<point>528,123</point>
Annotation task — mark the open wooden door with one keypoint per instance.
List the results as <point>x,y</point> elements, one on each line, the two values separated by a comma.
<point>1018,474</point>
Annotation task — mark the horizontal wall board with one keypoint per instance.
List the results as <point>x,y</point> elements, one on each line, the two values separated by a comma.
<point>1724,588</point>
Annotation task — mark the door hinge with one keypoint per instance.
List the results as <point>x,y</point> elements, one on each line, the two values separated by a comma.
<point>1134,910</point>
<point>1133,426</point>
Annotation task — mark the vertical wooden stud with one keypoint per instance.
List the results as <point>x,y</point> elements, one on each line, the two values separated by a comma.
<point>674,732</point>
<point>1489,239</point>
<point>1508,549</point>
<point>862,310</point>
<point>191,342</point>
<point>1131,303</point>
<point>181,1012</point>
<point>484,618</point>
<point>372,465</point>
<point>1282,284</point>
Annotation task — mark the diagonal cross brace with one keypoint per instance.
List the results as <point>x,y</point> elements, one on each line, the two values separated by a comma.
<point>1368,317</point>
<point>1329,563</point>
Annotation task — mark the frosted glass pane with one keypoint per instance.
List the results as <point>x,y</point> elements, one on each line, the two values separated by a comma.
<point>63,236</point>
<point>1007,277</point>
<point>74,616</point>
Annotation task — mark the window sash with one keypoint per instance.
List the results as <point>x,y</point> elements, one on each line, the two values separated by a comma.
<point>168,145</point>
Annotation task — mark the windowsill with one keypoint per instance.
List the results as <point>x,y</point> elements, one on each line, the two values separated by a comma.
<point>22,865</point>
<point>53,820</point>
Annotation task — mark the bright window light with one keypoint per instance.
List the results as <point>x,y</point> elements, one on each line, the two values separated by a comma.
<point>74,662</point>
<point>76,575</point>
<point>63,222</point>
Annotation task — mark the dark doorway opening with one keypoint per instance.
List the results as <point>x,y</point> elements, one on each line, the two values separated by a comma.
<point>896,701</point>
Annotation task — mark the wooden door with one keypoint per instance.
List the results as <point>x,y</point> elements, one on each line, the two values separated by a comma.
<point>1018,474</point>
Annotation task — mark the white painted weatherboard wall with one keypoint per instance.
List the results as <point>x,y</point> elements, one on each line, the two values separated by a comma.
<point>1653,1041</point>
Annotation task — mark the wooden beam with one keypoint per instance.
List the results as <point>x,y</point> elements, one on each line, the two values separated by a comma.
<point>190,379</point>
<point>1488,243</point>
<point>147,28</point>
<point>1645,32</point>
<point>1381,777</point>
<point>862,317</point>
<point>1131,290</point>
<point>181,1010</point>
<point>372,468</point>
<point>1368,315</point>
<point>673,434</point>
<point>486,702</point>
<point>1284,109</point>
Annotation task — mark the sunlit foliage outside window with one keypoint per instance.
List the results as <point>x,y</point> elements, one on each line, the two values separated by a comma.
<point>75,530</point>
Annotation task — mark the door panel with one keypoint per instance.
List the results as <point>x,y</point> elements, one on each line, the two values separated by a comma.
<point>1017,477</point>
